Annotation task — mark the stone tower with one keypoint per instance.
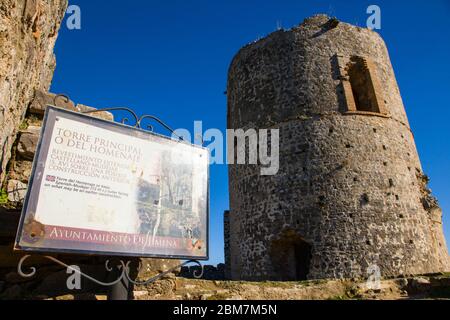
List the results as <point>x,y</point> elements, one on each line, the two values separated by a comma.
<point>350,195</point>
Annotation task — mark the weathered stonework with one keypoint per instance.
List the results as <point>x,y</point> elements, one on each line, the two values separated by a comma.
<point>24,147</point>
<point>28,31</point>
<point>350,192</point>
<point>52,279</point>
<point>226,245</point>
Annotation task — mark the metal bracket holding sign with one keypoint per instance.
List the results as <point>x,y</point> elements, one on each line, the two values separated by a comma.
<point>124,266</point>
<point>105,188</point>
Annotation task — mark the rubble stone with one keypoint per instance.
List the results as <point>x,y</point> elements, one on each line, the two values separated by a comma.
<point>16,191</point>
<point>28,142</point>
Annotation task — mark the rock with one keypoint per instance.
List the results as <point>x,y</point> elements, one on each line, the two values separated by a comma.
<point>169,276</point>
<point>161,287</point>
<point>16,191</point>
<point>187,296</point>
<point>418,285</point>
<point>68,297</point>
<point>43,99</point>
<point>2,285</point>
<point>419,281</point>
<point>151,267</point>
<point>28,33</point>
<point>15,278</point>
<point>21,170</point>
<point>190,286</point>
<point>28,142</point>
<point>12,293</point>
<point>222,292</point>
<point>140,294</point>
<point>39,102</point>
<point>205,296</point>
<point>101,115</point>
<point>403,283</point>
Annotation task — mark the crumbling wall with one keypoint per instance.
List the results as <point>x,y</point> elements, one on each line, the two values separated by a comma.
<point>28,31</point>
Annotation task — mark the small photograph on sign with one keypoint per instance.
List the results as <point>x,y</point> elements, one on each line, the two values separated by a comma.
<point>103,188</point>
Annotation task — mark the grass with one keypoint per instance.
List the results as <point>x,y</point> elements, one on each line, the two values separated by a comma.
<point>3,196</point>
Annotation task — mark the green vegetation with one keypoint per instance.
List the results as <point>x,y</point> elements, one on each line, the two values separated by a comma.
<point>219,296</point>
<point>3,196</point>
<point>23,125</point>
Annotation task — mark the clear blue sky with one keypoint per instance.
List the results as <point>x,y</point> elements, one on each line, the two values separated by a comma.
<point>170,59</point>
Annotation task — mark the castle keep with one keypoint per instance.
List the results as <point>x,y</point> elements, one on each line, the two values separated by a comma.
<point>350,193</point>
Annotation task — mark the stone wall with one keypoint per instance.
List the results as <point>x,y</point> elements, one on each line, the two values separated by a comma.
<point>51,278</point>
<point>226,244</point>
<point>350,193</point>
<point>28,31</point>
<point>20,165</point>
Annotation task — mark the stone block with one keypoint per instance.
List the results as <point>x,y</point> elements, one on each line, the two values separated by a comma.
<point>101,115</point>
<point>16,191</point>
<point>12,293</point>
<point>21,171</point>
<point>42,99</point>
<point>151,267</point>
<point>28,142</point>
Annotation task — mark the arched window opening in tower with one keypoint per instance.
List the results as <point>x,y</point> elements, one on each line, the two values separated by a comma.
<point>362,87</point>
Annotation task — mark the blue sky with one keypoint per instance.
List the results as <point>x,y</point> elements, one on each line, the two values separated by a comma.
<point>170,59</point>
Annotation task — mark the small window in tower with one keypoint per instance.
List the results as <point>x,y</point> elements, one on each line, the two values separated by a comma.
<point>362,89</point>
<point>362,86</point>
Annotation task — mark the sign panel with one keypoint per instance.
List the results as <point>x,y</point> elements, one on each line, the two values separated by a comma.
<point>100,187</point>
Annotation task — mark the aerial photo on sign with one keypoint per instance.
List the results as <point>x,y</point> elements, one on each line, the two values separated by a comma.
<point>106,188</point>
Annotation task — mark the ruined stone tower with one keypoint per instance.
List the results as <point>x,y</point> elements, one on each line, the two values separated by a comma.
<point>350,194</point>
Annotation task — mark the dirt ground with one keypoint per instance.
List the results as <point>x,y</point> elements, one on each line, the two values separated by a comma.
<point>175,288</point>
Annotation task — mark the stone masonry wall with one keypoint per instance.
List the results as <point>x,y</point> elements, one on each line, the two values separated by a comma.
<point>350,193</point>
<point>51,279</point>
<point>226,244</point>
<point>20,164</point>
<point>28,31</point>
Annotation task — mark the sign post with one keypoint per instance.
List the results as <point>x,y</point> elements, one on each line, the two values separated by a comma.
<point>104,188</point>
